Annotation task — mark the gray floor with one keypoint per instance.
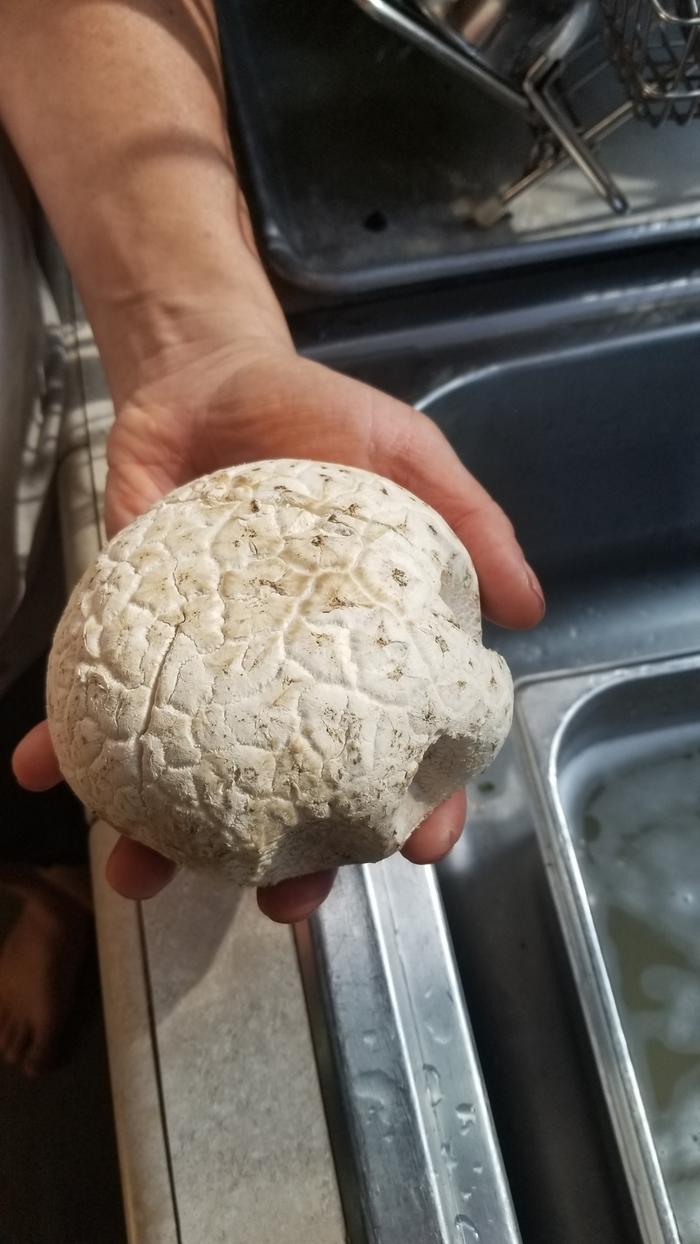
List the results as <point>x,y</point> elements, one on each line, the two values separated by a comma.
<point>59,1182</point>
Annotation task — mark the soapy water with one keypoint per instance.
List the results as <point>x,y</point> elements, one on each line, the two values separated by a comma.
<point>638,845</point>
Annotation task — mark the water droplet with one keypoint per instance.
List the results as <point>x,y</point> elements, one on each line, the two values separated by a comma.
<point>432,1083</point>
<point>439,1031</point>
<point>466,1115</point>
<point>478,1168</point>
<point>378,1091</point>
<point>428,993</point>
<point>466,1231</point>
<point>370,1039</point>
<point>448,1155</point>
<point>467,1196</point>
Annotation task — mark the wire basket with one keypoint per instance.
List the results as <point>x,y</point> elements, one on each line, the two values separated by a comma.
<point>656,49</point>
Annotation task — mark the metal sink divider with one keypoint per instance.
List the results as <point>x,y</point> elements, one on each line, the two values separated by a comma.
<point>416,1152</point>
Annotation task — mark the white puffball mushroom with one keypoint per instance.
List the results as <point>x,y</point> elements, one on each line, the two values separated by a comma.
<point>276,669</point>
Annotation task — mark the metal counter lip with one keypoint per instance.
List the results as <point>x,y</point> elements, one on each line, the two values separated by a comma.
<point>544,720</point>
<point>382,984</point>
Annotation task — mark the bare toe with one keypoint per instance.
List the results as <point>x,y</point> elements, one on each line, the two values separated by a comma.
<point>37,1058</point>
<point>22,1041</point>
<point>41,1052</point>
<point>11,1034</point>
<point>39,964</point>
<point>4,1021</point>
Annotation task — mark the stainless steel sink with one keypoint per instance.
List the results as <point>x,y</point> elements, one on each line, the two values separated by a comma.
<point>574,399</point>
<point>614,763</point>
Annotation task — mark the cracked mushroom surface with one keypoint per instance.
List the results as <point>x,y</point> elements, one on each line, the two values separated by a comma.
<point>276,669</point>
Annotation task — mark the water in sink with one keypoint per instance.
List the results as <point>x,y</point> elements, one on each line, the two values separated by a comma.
<point>638,845</point>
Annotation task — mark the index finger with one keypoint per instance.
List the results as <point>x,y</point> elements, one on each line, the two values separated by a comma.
<point>34,762</point>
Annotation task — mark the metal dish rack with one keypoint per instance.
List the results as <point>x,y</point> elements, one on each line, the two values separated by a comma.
<point>655,49</point>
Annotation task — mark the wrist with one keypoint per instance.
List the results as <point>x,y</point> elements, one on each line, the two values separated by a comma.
<point>160,333</point>
<point>125,136</point>
<point>158,294</point>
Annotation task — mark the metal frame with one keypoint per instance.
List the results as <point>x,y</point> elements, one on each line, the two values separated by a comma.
<point>536,97</point>
<point>396,16</point>
<point>657,53</point>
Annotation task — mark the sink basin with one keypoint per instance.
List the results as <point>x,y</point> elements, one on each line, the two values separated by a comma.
<point>573,398</point>
<point>592,449</point>
<point>614,762</point>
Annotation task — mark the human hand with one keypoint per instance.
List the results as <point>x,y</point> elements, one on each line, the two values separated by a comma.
<point>219,403</point>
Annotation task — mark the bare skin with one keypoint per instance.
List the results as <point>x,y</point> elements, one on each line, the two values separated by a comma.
<point>40,960</point>
<point>232,402</point>
<point>124,99</point>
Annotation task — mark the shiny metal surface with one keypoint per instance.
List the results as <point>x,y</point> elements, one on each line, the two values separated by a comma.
<point>550,390</point>
<point>558,719</point>
<point>524,44</point>
<point>407,21</point>
<point>417,1156</point>
<point>656,47</point>
<point>509,36</point>
<point>514,51</point>
<point>540,85</point>
<point>384,190</point>
<point>575,452</point>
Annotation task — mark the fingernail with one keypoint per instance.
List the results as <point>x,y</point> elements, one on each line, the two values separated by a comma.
<point>534,585</point>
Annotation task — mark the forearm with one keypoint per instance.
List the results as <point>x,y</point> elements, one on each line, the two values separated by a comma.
<point>116,108</point>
